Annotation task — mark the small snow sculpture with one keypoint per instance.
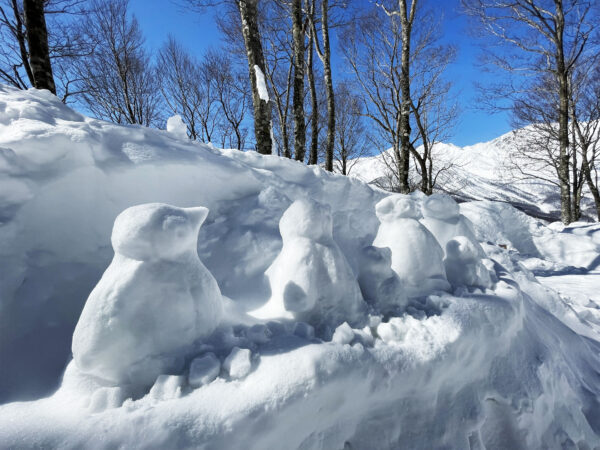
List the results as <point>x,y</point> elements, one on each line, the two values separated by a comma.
<point>441,216</point>
<point>239,363</point>
<point>379,284</point>
<point>417,257</point>
<point>310,279</point>
<point>155,299</point>
<point>464,266</point>
<point>177,127</point>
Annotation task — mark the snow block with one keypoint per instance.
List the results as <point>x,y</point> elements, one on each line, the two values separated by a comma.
<point>417,257</point>
<point>155,299</point>
<point>203,370</point>
<point>463,264</point>
<point>167,387</point>
<point>239,363</point>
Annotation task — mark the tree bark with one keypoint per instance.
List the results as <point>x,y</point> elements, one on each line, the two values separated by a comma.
<point>406,18</point>
<point>254,52</point>
<point>563,117</point>
<point>314,120</point>
<point>329,87</point>
<point>37,37</point>
<point>298,99</point>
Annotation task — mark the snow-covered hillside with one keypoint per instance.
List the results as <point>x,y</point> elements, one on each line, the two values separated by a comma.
<point>483,172</point>
<point>310,310</point>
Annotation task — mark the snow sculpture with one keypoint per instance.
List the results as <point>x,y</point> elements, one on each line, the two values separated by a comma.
<point>177,127</point>
<point>464,266</point>
<point>417,258</point>
<point>310,279</point>
<point>441,216</point>
<point>154,300</point>
<point>379,284</point>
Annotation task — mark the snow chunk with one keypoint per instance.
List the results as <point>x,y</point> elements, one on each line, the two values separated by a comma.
<point>261,85</point>
<point>167,387</point>
<point>259,334</point>
<point>203,370</point>
<point>238,363</point>
<point>304,330</point>
<point>177,127</point>
<point>106,398</point>
<point>155,299</point>
<point>417,257</point>
<point>343,334</point>
<point>310,279</point>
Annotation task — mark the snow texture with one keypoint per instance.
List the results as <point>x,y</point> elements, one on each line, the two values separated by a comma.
<point>153,302</point>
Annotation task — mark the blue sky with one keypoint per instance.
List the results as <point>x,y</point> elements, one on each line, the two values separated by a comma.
<point>159,18</point>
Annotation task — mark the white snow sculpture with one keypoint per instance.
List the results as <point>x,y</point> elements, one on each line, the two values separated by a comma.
<point>310,279</point>
<point>417,257</point>
<point>177,127</point>
<point>464,266</point>
<point>155,299</point>
<point>441,216</point>
<point>379,284</point>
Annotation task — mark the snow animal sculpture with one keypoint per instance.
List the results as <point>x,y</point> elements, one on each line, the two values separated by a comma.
<point>464,265</point>
<point>441,216</point>
<point>155,299</point>
<point>417,257</point>
<point>310,279</point>
<point>379,284</point>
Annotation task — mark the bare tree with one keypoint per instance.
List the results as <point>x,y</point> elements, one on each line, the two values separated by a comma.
<point>324,51</point>
<point>187,89</point>
<point>37,38</point>
<point>540,40</point>
<point>233,97</point>
<point>351,136</point>
<point>64,44</point>
<point>298,100</point>
<point>119,82</point>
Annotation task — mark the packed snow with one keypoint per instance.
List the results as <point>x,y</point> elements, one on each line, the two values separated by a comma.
<point>249,301</point>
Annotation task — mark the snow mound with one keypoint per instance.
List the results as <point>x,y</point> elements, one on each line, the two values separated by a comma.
<point>392,359</point>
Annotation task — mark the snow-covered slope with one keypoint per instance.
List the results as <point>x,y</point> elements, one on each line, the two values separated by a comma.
<point>312,337</point>
<point>482,172</point>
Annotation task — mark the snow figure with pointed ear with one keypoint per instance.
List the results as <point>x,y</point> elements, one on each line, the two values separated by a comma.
<point>379,284</point>
<point>155,299</point>
<point>464,265</point>
<point>310,279</point>
<point>441,216</point>
<point>417,257</point>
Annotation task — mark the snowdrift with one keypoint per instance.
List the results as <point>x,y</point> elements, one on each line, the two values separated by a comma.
<point>309,311</point>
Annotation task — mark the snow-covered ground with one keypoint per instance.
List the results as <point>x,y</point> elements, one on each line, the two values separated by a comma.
<point>312,310</point>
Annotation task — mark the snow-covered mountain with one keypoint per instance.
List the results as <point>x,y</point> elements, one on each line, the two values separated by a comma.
<point>483,172</point>
<point>310,310</point>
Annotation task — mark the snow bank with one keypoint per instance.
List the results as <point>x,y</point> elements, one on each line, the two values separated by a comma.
<point>392,358</point>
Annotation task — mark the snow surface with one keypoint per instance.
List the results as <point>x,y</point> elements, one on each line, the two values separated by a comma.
<point>500,363</point>
<point>177,126</point>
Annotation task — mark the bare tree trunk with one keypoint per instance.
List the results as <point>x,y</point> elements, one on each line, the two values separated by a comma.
<point>314,127</point>
<point>563,118</point>
<point>256,66</point>
<point>587,172</point>
<point>298,100</point>
<point>37,37</point>
<point>406,18</point>
<point>328,87</point>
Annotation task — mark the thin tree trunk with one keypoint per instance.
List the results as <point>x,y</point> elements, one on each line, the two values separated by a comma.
<point>314,131</point>
<point>328,86</point>
<point>298,99</point>
<point>256,67</point>
<point>563,118</point>
<point>37,37</point>
<point>406,20</point>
